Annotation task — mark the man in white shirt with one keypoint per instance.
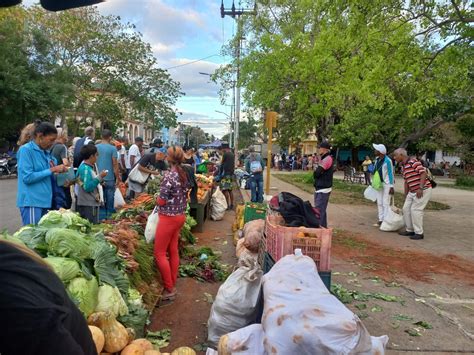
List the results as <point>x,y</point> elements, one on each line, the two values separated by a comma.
<point>384,168</point>
<point>122,157</point>
<point>134,153</point>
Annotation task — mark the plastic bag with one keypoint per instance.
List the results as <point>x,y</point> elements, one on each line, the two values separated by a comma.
<point>370,194</point>
<point>236,302</point>
<point>377,182</point>
<point>118,199</point>
<point>150,229</point>
<point>248,340</point>
<point>218,205</point>
<point>393,220</point>
<point>300,316</point>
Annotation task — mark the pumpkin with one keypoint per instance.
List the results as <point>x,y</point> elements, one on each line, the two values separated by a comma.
<point>153,352</point>
<point>116,336</point>
<point>132,349</point>
<point>131,334</point>
<point>144,344</point>
<point>98,337</point>
<point>184,350</point>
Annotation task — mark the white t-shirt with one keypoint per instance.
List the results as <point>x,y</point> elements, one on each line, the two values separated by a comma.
<point>133,151</point>
<point>122,151</point>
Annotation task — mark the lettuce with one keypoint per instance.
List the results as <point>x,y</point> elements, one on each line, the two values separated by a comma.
<point>68,243</point>
<point>64,219</point>
<point>34,238</point>
<point>84,293</point>
<point>9,238</point>
<point>111,300</point>
<point>65,268</point>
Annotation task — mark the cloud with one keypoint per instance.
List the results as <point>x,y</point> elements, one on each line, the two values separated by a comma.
<point>218,127</point>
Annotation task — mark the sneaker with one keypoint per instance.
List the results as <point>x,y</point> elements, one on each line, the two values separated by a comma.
<point>417,236</point>
<point>406,233</point>
<point>378,224</point>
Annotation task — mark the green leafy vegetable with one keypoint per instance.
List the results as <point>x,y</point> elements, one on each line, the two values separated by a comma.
<point>84,293</point>
<point>65,219</point>
<point>413,332</point>
<point>160,338</point>
<point>385,297</point>
<point>424,324</point>
<point>111,300</point>
<point>376,309</point>
<point>361,306</point>
<point>107,267</point>
<point>136,318</point>
<point>402,317</point>
<point>209,269</point>
<point>9,238</point>
<point>34,238</point>
<point>68,243</point>
<point>65,268</point>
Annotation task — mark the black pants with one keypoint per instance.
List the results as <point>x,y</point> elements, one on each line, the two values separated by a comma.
<point>91,213</point>
<point>367,178</point>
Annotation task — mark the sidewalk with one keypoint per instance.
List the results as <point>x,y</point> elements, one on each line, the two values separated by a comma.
<point>446,232</point>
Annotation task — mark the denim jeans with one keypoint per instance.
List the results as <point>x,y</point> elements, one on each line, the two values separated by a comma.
<point>256,187</point>
<point>108,208</point>
<point>321,202</point>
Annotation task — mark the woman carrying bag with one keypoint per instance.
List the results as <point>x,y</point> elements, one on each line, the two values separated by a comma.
<point>172,203</point>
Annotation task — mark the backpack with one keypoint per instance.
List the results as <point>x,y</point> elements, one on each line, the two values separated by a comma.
<point>371,168</point>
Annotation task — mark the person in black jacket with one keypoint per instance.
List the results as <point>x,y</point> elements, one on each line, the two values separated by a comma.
<point>323,175</point>
<point>37,317</point>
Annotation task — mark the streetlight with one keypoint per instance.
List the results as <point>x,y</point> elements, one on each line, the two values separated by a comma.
<point>230,125</point>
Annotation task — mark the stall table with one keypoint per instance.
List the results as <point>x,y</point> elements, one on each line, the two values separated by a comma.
<point>201,211</point>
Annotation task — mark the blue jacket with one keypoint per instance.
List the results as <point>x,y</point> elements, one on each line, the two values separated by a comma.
<point>34,177</point>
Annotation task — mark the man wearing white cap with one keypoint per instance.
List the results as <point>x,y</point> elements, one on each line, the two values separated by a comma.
<point>383,167</point>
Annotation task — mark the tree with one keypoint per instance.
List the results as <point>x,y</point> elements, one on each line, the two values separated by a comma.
<point>357,71</point>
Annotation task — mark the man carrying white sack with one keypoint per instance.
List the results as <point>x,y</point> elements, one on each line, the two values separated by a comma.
<point>383,181</point>
<point>417,191</point>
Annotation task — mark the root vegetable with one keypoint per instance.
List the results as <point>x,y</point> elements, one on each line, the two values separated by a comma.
<point>144,344</point>
<point>98,337</point>
<point>184,350</point>
<point>115,334</point>
<point>132,349</point>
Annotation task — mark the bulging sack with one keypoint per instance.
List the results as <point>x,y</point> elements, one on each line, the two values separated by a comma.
<point>393,221</point>
<point>236,302</point>
<point>218,205</point>
<point>118,199</point>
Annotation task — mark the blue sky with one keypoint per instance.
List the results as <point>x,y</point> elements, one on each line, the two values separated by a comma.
<point>180,32</point>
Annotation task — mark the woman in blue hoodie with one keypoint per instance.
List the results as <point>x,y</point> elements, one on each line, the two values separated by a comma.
<point>35,171</point>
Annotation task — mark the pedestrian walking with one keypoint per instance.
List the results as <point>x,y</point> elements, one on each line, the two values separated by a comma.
<point>172,203</point>
<point>87,189</point>
<point>89,134</point>
<point>323,177</point>
<point>107,160</point>
<point>227,174</point>
<point>383,181</point>
<point>418,191</point>
<point>36,167</point>
<point>367,166</point>
<point>254,166</point>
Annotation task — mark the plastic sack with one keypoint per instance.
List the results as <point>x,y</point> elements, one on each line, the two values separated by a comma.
<point>300,316</point>
<point>236,302</point>
<point>218,205</point>
<point>138,176</point>
<point>370,193</point>
<point>150,229</point>
<point>377,182</point>
<point>248,340</point>
<point>118,199</point>
<point>393,220</point>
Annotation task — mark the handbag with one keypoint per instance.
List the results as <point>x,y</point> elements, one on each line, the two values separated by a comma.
<point>393,221</point>
<point>138,176</point>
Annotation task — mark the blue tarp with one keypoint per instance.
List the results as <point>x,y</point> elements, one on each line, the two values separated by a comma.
<point>215,144</point>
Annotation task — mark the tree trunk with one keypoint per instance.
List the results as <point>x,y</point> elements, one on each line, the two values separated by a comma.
<point>355,157</point>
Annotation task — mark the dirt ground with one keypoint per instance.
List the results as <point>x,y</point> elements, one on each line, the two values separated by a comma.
<point>187,315</point>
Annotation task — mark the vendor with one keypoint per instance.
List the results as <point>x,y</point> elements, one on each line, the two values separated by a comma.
<point>34,305</point>
<point>172,204</point>
<point>150,163</point>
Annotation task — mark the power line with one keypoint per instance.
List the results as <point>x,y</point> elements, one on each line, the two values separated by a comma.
<point>194,61</point>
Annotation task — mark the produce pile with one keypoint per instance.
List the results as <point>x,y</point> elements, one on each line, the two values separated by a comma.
<point>202,264</point>
<point>204,185</point>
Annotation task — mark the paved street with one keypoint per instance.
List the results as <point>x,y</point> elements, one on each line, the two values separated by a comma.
<point>9,214</point>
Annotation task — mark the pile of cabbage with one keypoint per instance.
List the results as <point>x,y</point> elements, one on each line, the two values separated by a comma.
<point>92,272</point>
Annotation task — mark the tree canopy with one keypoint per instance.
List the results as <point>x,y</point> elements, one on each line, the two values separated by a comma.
<point>358,71</point>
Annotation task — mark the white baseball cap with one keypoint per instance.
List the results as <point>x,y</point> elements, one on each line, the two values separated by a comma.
<point>380,148</point>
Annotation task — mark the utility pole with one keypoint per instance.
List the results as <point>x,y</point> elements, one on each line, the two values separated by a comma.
<point>270,122</point>
<point>233,12</point>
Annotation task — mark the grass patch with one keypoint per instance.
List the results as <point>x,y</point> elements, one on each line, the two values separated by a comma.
<point>346,193</point>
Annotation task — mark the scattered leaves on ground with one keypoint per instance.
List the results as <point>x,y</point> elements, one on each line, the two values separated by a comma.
<point>161,338</point>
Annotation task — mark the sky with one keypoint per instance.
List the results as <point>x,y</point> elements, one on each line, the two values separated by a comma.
<point>180,32</point>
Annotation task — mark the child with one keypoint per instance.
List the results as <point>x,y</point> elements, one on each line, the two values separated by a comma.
<point>87,186</point>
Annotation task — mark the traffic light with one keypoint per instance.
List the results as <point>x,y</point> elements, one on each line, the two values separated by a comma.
<point>55,5</point>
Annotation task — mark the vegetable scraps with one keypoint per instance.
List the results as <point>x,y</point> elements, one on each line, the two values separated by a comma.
<point>202,264</point>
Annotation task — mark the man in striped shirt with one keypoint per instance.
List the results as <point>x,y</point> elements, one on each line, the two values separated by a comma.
<point>418,192</point>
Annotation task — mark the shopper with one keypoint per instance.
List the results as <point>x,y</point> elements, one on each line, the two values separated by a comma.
<point>122,158</point>
<point>107,160</point>
<point>384,168</point>
<point>418,191</point>
<point>27,134</point>
<point>87,189</point>
<point>37,315</point>
<point>254,166</point>
<point>89,134</point>
<point>172,204</point>
<point>366,167</point>
<point>227,174</point>
<point>36,167</point>
<point>150,163</point>
<point>134,153</point>
<point>323,177</point>
<point>61,154</point>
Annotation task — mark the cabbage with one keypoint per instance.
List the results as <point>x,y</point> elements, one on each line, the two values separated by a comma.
<point>136,319</point>
<point>33,237</point>
<point>9,238</point>
<point>66,242</point>
<point>111,300</point>
<point>134,297</point>
<point>65,268</point>
<point>64,219</point>
<point>84,293</point>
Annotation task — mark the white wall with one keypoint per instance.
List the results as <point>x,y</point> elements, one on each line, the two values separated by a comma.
<point>447,157</point>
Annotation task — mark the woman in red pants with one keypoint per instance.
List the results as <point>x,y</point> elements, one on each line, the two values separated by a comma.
<point>172,204</point>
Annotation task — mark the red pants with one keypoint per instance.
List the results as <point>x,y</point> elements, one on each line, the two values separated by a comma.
<point>166,241</point>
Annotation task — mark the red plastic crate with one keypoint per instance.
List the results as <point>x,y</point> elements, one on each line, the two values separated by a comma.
<point>281,241</point>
